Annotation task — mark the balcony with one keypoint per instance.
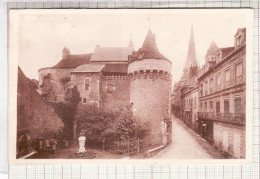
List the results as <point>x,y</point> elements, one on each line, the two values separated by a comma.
<point>234,118</point>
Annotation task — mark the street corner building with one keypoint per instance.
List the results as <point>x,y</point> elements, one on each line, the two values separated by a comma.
<point>214,104</point>
<point>116,77</point>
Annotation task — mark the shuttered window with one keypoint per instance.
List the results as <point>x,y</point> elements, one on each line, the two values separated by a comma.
<point>238,105</point>
<point>226,106</point>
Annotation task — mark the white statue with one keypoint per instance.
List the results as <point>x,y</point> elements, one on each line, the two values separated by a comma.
<point>82,140</point>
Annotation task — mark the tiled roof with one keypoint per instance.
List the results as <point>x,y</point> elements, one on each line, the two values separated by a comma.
<point>114,54</point>
<point>88,68</point>
<point>115,68</point>
<point>73,61</point>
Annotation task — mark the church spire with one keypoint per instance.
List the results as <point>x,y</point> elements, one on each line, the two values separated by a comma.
<point>191,58</point>
<point>131,43</point>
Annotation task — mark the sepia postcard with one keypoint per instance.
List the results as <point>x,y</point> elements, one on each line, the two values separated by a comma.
<point>157,86</point>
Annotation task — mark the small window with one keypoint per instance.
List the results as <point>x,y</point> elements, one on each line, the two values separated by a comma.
<point>86,84</point>
<point>84,100</point>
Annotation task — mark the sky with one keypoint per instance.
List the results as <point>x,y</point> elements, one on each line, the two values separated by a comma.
<point>42,35</point>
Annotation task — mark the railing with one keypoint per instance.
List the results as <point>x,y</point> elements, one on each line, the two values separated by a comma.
<point>236,118</point>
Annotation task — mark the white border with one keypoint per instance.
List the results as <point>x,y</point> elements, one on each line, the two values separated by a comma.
<point>13,70</point>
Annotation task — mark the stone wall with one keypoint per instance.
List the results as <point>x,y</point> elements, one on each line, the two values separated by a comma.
<point>115,92</point>
<point>33,113</point>
<point>230,139</point>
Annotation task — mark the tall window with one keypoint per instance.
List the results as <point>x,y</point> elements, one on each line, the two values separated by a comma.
<point>226,106</point>
<point>211,105</point>
<point>206,87</point>
<point>86,84</point>
<point>227,78</point>
<point>218,82</point>
<point>211,85</point>
<point>217,107</point>
<point>206,106</point>
<point>239,73</point>
<point>195,103</point>
<point>238,105</point>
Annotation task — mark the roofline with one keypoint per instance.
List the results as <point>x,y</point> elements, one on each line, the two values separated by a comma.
<point>151,58</point>
<point>223,60</point>
<point>54,68</point>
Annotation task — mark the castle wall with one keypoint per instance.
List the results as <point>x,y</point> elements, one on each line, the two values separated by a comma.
<point>58,82</point>
<point>150,97</point>
<point>115,92</point>
<point>91,95</point>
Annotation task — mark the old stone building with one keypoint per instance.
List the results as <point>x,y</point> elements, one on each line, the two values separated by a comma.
<point>117,77</point>
<point>222,96</point>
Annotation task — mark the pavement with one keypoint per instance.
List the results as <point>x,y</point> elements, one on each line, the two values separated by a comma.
<point>186,144</point>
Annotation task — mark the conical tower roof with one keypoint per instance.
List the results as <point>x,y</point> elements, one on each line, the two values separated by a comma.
<point>212,50</point>
<point>150,49</point>
<point>131,44</point>
<point>191,58</point>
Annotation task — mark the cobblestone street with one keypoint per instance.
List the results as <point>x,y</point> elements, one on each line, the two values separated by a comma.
<point>186,144</point>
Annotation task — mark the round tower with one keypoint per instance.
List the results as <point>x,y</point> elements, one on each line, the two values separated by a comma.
<point>150,88</point>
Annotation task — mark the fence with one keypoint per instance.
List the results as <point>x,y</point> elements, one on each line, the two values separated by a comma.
<point>127,148</point>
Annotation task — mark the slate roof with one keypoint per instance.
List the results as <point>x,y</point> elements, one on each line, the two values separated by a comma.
<point>212,50</point>
<point>150,49</point>
<point>111,54</point>
<point>73,61</point>
<point>115,68</point>
<point>94,68</point>
<point>226,51</point>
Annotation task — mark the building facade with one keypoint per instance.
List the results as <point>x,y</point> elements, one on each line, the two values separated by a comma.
<point>222,97</point>
<point>117,77</point>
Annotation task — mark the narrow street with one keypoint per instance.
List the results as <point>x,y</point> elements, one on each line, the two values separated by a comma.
<point>185,144</point>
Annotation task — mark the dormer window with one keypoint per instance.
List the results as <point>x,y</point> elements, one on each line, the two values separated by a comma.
<point>238,40</point>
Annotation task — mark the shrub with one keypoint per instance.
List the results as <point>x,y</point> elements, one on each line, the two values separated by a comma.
<point>109,127</point>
